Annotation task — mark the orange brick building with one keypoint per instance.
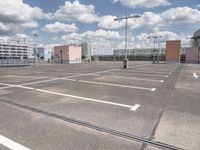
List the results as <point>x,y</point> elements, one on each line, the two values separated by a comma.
<point>173,51</point>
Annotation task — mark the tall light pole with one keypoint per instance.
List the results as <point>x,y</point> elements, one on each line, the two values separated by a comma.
<point>154,51</point>
<point>35,36</point>
<point>126,38</point>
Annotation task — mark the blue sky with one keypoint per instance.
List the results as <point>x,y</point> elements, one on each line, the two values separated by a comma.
<point>61,22</point>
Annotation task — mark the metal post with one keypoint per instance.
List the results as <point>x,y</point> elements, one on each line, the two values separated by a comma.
<point>198,54</point>
<point>61,56</point>
<point>126,38</point>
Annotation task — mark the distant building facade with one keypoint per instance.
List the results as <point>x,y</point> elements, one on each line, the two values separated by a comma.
<point>173,51</point>
<point>15,50</point>
<point>193,53</point>
<point>39,53</point>
<point>196,39</point>
<point>86,50</point>
<point>137,52</point>
<point>67,54</point>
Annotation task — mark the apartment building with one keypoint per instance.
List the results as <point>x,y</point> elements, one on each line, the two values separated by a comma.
<point>15,50</point>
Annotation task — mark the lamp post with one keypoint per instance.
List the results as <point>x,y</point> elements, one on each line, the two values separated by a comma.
<point>154,41</point>
<point>61,61</point>
<point>35,36</point>
<point>126,39</point>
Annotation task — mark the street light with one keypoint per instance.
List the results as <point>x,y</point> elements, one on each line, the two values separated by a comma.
<point>154,41</point>
<point>35,36</point>
<point>126,27</point>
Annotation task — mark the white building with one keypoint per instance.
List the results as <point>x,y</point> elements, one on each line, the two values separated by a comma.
<point>86,50</point>
<point>137,52</point>
<point>15,50</point>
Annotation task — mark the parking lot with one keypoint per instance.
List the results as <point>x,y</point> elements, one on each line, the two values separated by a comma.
<point>100,106</point>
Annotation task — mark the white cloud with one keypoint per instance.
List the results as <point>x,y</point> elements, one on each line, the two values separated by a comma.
<point>103,41</point>
<point>143,3</point>
<point>94,35</point>
<point>16,16</point>
<point>60,27</point>
<point>22,36</point>
<point>198,6</point>
<point>74,11</point>
<point>148,21</point>
<point>107,22</point>
<point>181,15</point>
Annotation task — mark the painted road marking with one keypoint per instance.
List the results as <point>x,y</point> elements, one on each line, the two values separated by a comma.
<point>110,84</point>
<point>36,82</point>
<point>87,99</point>
<point>118,85</point>
<point>151,70</point>
<point>6,84</point>
<point>156,73</point>
<point>77,75</point>
<point>11,144</point>
<point>6,87</point>
<point>173,69</point>
<point>134,78</point>
<point>195,75</point>
<point>78,97</point>
<point>150,75</point>
<point>135,107</point>
<point>21,76</point>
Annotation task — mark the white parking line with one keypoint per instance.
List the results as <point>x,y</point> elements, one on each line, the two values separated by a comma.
<point>152,70</point>
<point>156,73</point>
<point>21,76</point>
<point>134,78</point>
<point>118,85</point>
<point>150,75</point>
<point>11,144</point>
<point>173,69</point>
<point>6,87</point>
<point>6,84</point>
<point>89,99</point>
<point>132,108</point>
<point>36,82</point>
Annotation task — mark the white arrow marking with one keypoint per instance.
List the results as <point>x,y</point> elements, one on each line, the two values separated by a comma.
<point>195,75</point>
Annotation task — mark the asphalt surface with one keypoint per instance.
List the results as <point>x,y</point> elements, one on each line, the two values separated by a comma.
<point>100,106</point>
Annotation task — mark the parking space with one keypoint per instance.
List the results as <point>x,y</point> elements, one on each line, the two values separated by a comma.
<point>131,101</point>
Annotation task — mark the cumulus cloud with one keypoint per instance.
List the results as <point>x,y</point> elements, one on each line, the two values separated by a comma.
<point>181,15</point>
<point>102,41</point>
<point>148,21</point>
<point>60,27</point>
<point>75,11</point>
<point>92,35</point>
<point>16,15</point>
<point>107,22</point>
<point>143,3</point>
